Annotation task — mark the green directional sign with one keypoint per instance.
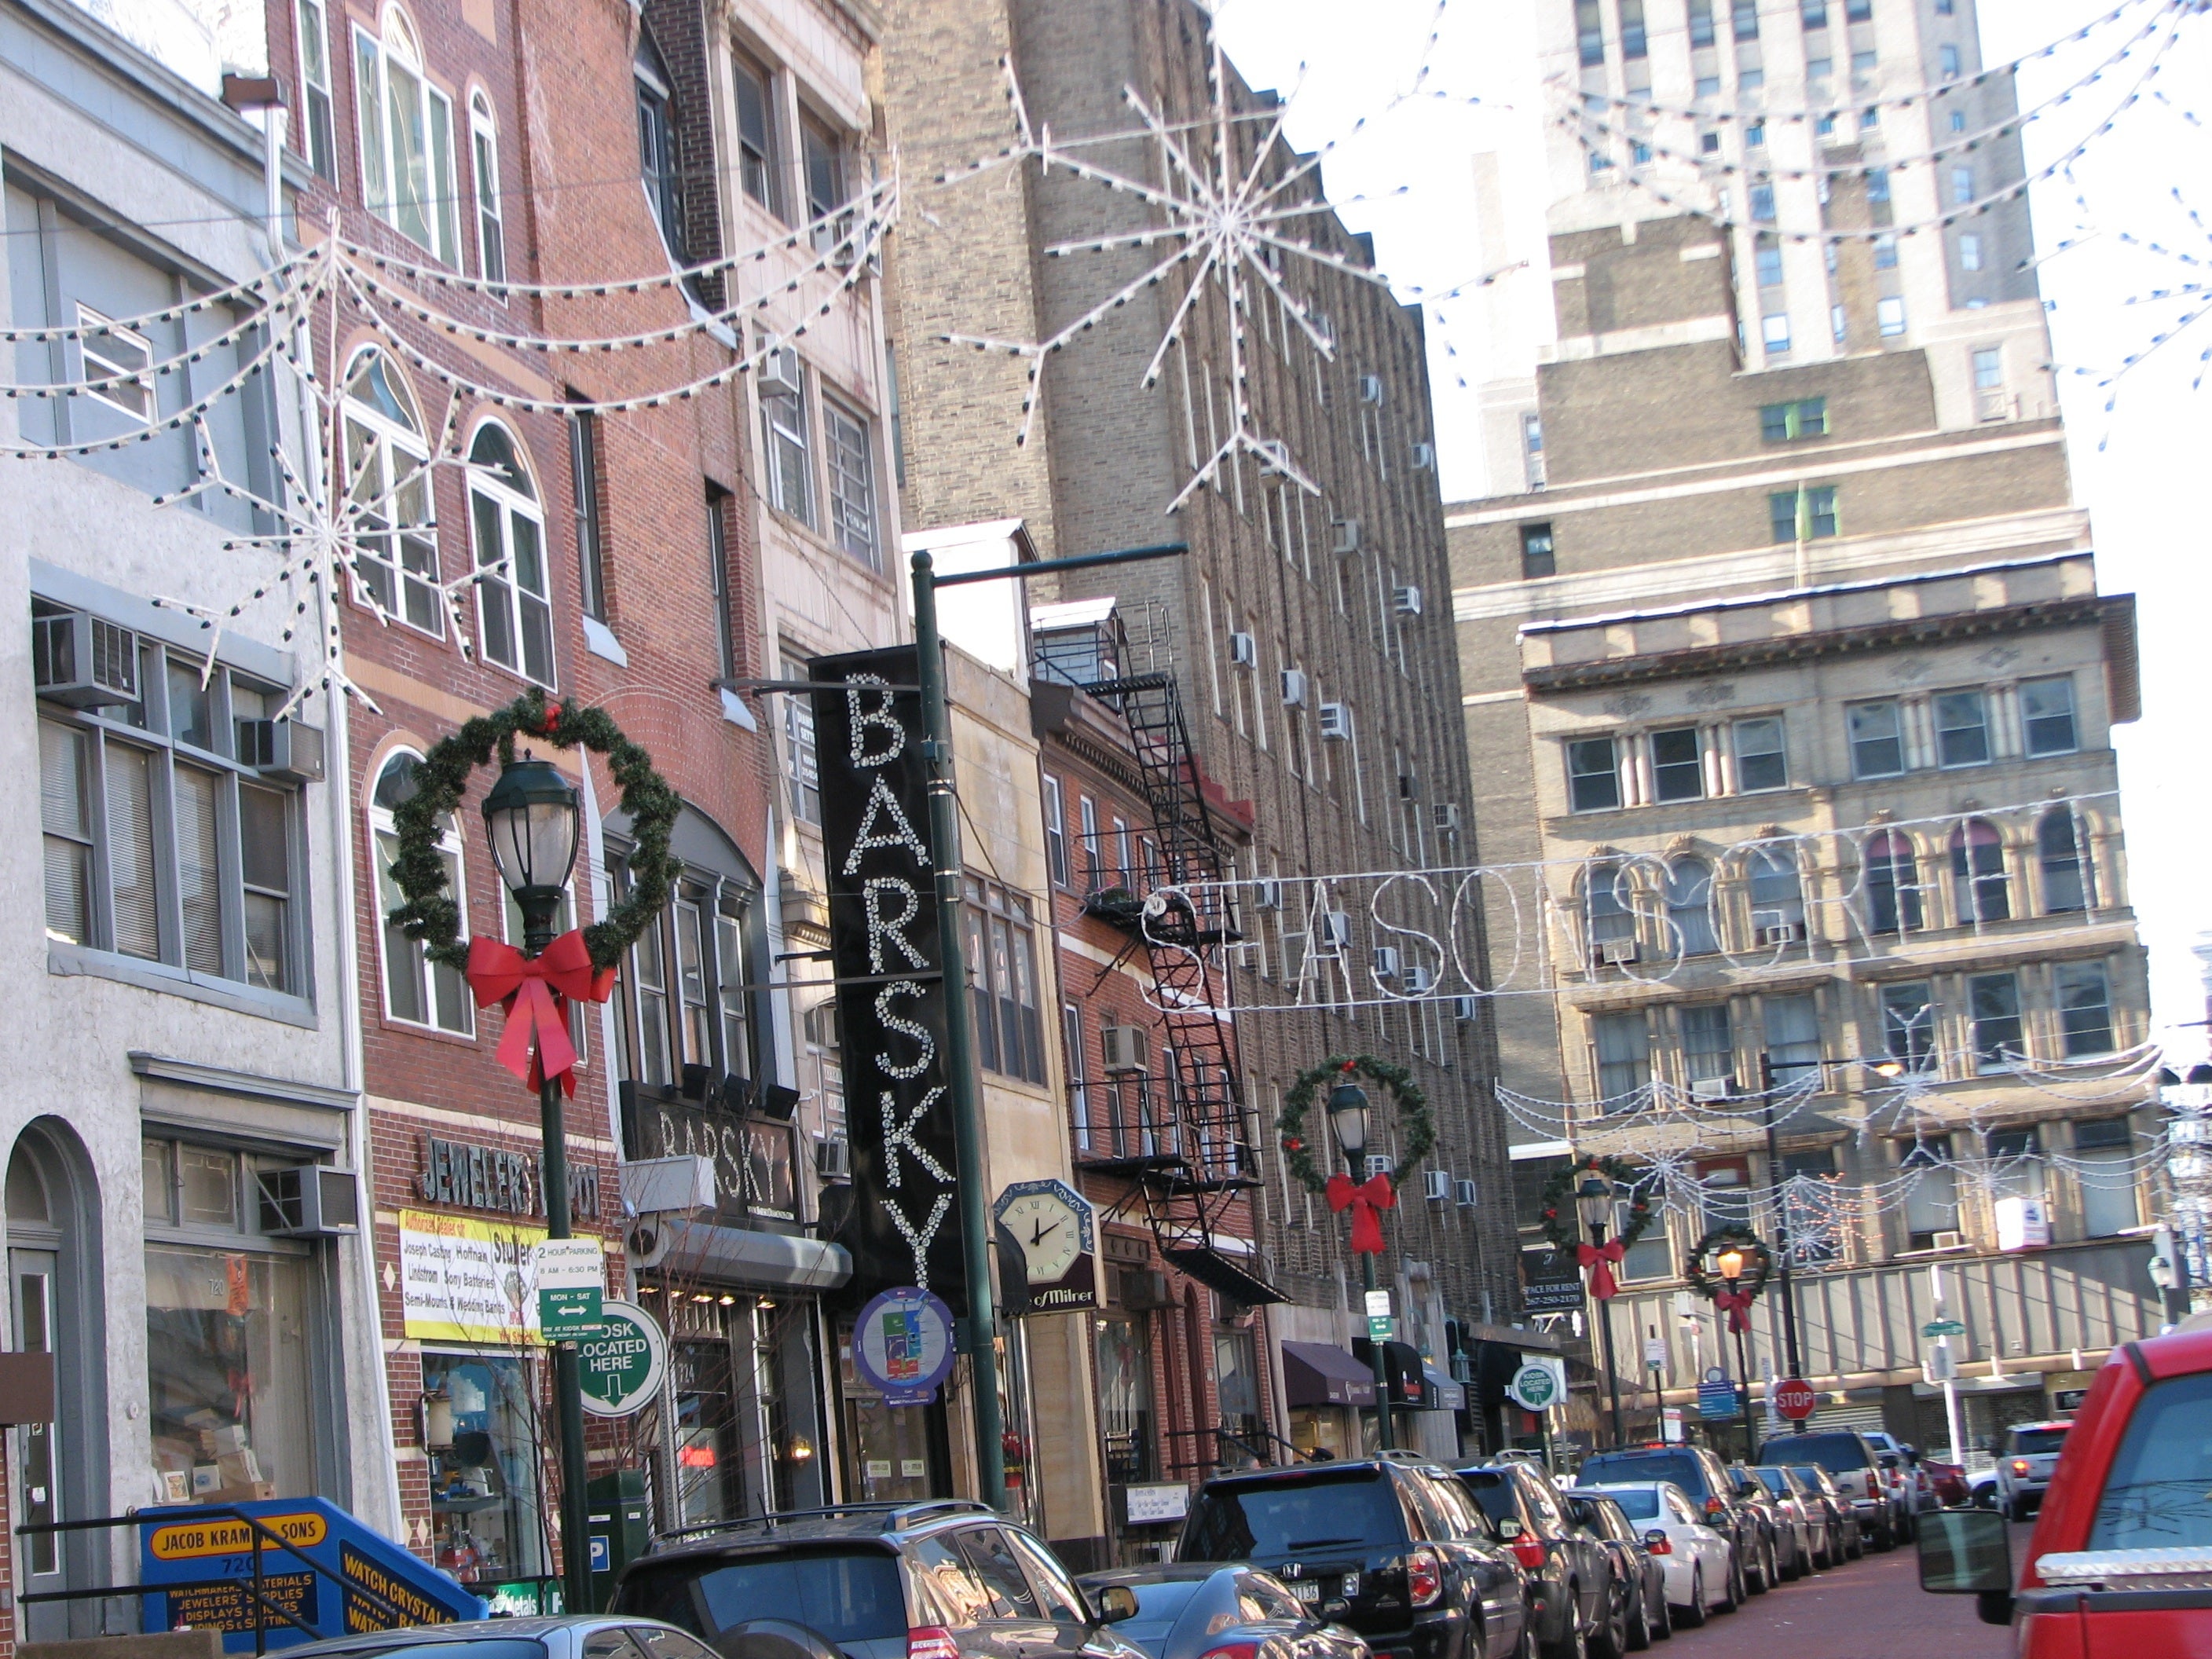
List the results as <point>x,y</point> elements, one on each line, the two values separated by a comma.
<point>1943,1328</point>
<point>620,1368</point>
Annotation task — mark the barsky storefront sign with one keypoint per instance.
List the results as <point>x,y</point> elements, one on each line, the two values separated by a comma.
<point>905,1225</point>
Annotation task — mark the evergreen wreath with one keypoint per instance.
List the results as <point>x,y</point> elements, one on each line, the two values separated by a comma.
<point>1563,1228</point>
<point>433,915</point>
<point>1706,1280</point>
<point>1418,1128</point>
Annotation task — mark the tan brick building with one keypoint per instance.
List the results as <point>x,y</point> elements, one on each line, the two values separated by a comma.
<point>1789,689</point>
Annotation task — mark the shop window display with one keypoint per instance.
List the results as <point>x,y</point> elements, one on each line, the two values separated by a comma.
<point>485,1490</point>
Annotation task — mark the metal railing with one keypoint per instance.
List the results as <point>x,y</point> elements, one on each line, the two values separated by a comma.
<point>255,1588</point>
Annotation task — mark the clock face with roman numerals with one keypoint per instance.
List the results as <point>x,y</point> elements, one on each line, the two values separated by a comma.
<point>1049,1231</point>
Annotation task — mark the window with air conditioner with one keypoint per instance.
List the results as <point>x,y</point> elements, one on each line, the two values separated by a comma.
<point>1708,1049</point>
<point>1931,1194</point>
<point>1776,895</point>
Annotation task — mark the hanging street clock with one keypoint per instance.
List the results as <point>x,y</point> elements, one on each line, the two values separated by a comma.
<point>1048,1237</point>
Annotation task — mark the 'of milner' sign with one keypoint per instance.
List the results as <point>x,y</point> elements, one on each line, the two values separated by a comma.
<point>905,1225</point>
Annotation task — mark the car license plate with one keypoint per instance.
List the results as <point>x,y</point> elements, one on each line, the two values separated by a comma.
<point>1306,1590</point>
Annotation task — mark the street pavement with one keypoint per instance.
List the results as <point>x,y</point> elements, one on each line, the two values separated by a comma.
<point>1871,1608</point>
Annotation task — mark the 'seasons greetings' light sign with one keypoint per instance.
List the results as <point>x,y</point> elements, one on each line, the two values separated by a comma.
<point>904,1228</point>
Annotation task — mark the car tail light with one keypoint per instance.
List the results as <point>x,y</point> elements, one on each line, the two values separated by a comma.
<point>1529,1553</point>
<point>931,1642</point>
<point>1714,1506</point>
<point>1662,1545</point>
<point>1425,1578</point>
<point>2019,1466</point>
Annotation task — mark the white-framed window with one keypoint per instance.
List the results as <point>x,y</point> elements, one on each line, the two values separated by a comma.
<point>788,439</point>
<point>821,163</point>
<point>757,166</point>
<point>2104,1153</point>
<point>1593,775</point>
<point>1678,765</point>
<point>317,139</point>
<point>1055,831</point>
<point>416,991</point>
<point>484,150</point>
<point>406,139</point>
<point>1877,736</point>
<point>116,358</point>
<point>2046,716</point>
<point>388,494</point>
<point>1962,729</point>
<point>852,480</point>
<point>1760,760</point>
<point>656,144</point>
<point>802,759</point>
<point>515,608</point>
<point>2085,1009</point>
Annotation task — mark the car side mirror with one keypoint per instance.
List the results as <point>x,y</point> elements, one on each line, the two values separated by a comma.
<point>1968,1553</point>
<point>1509,1529</point>
<point>1114,1603</point>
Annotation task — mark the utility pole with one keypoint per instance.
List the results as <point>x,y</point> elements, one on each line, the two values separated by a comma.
<point>964,1088</point>
<point>1780,1220</point>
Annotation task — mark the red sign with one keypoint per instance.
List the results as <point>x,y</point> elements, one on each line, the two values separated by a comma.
<point>1794,1399</point>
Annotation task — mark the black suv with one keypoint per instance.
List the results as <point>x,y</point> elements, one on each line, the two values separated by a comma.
<point>1568,1571</point>
<point>1389,1547</point>
<point>1702,1477</point>
<point>940,1580</point>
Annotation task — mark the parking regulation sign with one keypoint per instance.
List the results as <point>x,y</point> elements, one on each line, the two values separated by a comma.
<point>1716,1399</point>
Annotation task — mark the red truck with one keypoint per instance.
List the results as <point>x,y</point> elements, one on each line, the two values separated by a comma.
<point>2120,1563</point>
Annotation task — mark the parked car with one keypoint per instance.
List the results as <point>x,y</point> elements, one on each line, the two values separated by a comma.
<point>1981,1489</point>
<point>1389,1547</point>
<point>1847,1543</point>
<point>2026,1453</point>
<point>1911,1478</point>
<point>1699,1557</point>
<point>1948,1481</point>
<point>1569,1574</point>
<point>2120,1563</point>
<point>1639,1578</point>
<point>1849,1456</point>
<point>1703,1479</point>
<point>575,1636</point>
<point>1801,1516</point>
<point>1778,1557</point>
<point>940,1580</point>
<point>1196,1610</point>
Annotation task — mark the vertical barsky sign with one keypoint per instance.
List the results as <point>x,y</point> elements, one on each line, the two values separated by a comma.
<point>905,1225</point>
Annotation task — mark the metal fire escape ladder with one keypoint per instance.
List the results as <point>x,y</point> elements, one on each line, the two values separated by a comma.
<point>1187,919</point>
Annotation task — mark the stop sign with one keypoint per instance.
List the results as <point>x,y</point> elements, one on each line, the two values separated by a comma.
<point>1794,1399</point>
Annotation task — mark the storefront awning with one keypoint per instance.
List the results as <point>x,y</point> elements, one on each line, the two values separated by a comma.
<point>1444,1394</point>
<point>1402,1365</point>
<point>746,1256</point>
<point>1316,1374</point>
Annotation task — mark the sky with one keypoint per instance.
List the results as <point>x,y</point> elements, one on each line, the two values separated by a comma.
<point>1399,167</point>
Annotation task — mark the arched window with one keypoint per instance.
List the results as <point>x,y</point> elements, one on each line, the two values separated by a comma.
<point>388,495</point>
<point>415,990</point>
<point>2069,880</point>
<point>406,139</point>
<point>1892,884</point>
<point>483,150</point>
<point>1690,906</point>
<point>1980,889</point>
<point>1605,907</point>
<point>686,993</point>
<point>514,613</point>
<point>1778,896</point>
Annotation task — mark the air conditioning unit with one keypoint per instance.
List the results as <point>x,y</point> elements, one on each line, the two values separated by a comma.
<point>1243,651</point>
<point>1125,1048</point>
<point>1614,951</point>
<point>309,1201</point>
<point>833,1160</point>
<point>680,1187</point>
<point>1347,537</point>
<point>1379,1163</point>
<point>1294,687</point>
<point>1332,927</point>
<point>779,371</point>
<point>1138,1291</point>
<point>1463,1008</point>
<point>1335,721</point>
<point>1948,1240</point>
<point>1437,1185</point>
<point>1425,456</point>
<point>79,659</point>
<point>1324,326</point>
<point>1406,601</point>
<point>1371,388</point>
<point>282,749</point>
<point>1444,816</point>
<point>1386,961</point>
<point>1464,1194</point>
<point>1781,932</point>
<point>1419,982</point>
<point>1711,1088</point>
<point>1267,894</point>
<point>1408,785</point>
<point>1274,459</point>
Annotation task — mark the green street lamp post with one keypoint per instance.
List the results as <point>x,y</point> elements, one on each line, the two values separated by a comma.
<point>1347,1122</point>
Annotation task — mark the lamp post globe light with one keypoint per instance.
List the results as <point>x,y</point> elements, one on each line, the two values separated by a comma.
<point>532,817</point>
<point>1593,1199</point>
<point>1347,1122</point>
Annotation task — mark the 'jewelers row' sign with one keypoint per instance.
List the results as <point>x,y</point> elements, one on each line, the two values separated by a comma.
<point>905,1225</point>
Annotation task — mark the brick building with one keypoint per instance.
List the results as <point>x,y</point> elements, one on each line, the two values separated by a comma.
<point>1784,650</point>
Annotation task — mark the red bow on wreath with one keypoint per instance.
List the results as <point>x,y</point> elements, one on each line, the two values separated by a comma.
<point>1373,1194</point>
<point>1736,1305</point>
<point>1599,1259</point>
<point>536,992</point>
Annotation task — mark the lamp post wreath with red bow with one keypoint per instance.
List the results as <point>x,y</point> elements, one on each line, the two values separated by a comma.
<point>1732,1297</point>
<point>1564,1229</point>
<point>1416,1135</point>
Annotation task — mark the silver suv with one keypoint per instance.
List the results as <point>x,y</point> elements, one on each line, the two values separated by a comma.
<point>2026,1453</point>
<point>1851,1459</point>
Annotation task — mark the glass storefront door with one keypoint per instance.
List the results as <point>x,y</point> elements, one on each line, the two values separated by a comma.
<point>487,1497</point>
<point>893,1451</point>
<point>228,1374</point>
<point>37,1444</point>
<point>1125,1400</point>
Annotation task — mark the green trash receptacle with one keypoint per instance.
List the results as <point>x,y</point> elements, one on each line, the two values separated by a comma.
<point>621,1527</point>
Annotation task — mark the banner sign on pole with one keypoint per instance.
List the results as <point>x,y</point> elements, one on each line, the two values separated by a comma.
<point>902,1345</point>
<point>904,1229</point>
